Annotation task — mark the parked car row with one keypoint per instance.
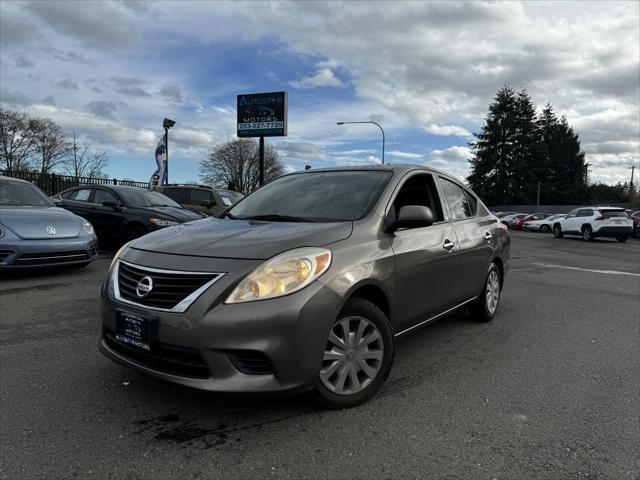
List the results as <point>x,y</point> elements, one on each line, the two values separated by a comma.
<point>588,222</point>
<point>36,231</point>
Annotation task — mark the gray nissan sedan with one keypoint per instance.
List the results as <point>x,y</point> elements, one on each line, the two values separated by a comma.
<point>36,233</point>
<point>304,284</point>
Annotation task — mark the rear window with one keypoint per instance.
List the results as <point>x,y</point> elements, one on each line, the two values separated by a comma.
<point>614,213</point>
<point>180,195</point>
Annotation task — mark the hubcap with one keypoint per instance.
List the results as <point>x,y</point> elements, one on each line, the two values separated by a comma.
<point>493,291</point>
<point>352,357</point>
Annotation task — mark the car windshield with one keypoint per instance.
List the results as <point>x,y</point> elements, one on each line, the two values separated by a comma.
<point>315,197</point>
<point>229,198</point>
<point>18,193</point>
<point>139,197</point>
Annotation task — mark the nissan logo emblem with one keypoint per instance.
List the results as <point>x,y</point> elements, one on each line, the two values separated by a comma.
<point>144,287</point>
<point>51,230</point>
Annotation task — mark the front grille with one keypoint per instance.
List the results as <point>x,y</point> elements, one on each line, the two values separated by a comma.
<point>251,362</point>
<point>186,362</point>
<point>51,258</point>
<point>4,254</point>
<point>169,287</point>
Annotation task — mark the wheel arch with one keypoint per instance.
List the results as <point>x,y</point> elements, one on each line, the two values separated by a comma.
<point>373,292</point>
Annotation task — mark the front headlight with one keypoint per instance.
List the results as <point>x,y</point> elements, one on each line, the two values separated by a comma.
<point>87,227</point>
<point>283,274</point>
<point>162,222</point>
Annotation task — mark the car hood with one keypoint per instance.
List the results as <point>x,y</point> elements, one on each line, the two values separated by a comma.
<point>175,213</point>
<point>32,223</point>
<point>245,239</point>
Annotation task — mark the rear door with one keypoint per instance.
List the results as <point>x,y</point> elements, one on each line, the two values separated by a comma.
<point>474,234</point>
<point>78,202</point>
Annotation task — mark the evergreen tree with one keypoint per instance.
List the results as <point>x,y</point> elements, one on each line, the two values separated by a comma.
<point>527,166</point>
<point>493,151</point>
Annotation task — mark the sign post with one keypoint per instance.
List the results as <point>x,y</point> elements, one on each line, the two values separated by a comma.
<point>262,115</point>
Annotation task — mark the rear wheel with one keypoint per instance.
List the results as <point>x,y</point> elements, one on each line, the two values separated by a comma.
<point>544,228</point>
<point>557,231</point>
<point>587,233</point>
<point>357,357</point>
<point>622,238</point>
<point>484,308</point>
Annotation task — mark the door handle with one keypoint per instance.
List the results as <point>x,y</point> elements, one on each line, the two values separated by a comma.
<point>488,236</point>
<point>448,245</point>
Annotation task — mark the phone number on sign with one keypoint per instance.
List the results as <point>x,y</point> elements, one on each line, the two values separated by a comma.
<point>260,125</point>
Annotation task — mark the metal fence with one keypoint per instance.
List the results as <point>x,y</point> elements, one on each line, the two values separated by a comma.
<point>551,208</point>
<point>52,183</point>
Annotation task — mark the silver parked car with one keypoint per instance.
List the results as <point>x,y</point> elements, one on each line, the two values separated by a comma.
<point>305,283</point>
<point>36,233</point>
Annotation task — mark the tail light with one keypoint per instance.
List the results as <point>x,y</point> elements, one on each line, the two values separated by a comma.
<point>601,217</point>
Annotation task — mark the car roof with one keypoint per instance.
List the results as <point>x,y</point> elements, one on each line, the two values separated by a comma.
<point>400,168</point>
<point>11,179</point>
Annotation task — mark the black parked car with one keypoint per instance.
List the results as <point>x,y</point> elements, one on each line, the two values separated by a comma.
<point>123,213</point>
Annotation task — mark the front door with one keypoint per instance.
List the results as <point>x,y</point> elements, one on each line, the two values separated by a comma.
<point>427,264</point>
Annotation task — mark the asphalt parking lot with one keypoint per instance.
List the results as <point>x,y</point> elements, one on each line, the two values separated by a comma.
<point>549,389</point>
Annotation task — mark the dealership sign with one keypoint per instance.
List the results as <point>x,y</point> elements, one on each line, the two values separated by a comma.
<point>262,115</point>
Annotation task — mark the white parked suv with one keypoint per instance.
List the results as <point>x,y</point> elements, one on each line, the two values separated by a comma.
<point>595,222</point>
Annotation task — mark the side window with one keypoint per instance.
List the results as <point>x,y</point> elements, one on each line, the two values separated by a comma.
<point>66,195</point>
<point>81,195</point>
<point>571,214</point>
<point>456,198</point>
<point>180,195</point>
<point>100,196</point>
<point>200,196</point>
<point>585,212</point>
<point>472,202</point>
<point>419,189</point>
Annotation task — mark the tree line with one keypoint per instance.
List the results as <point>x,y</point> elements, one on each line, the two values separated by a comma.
<point>36,144</point>
<point>518,151</point>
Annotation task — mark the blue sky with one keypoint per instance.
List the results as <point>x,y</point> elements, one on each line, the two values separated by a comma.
<point>111,71</point>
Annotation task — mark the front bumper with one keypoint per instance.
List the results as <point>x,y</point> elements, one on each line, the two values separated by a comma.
<point>23,254</point>
<point>204,347</point>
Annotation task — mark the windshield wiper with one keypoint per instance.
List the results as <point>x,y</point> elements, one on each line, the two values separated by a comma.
<point>229,215</point>
<point>276,218</point>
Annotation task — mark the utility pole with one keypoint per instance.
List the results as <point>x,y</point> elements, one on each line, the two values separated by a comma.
<point>632,168</point>
<point>261,177</point>
<point>538,201</point>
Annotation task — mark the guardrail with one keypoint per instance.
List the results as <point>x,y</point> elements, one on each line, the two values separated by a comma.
<point>52,183</point>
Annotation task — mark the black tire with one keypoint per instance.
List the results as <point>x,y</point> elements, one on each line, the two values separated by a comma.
<point>358,307</point>
<point>587,233</point>
<point>622,238</point>
<point>479,309</point>
<point>135,231</point>
<point>544,228</point>
<point>557,231</point>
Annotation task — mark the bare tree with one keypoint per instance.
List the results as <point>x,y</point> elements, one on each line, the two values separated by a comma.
<point>86,160</point>
<point>17,143</point>
<point>235,165</point>
<point>52,145</point>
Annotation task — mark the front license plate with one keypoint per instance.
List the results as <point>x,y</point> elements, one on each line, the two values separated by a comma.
<point>133,331</point>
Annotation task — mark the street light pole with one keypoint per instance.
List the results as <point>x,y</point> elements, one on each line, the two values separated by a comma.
<point>374,123</point>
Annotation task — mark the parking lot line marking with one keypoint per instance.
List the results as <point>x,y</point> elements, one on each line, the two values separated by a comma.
<point>608,272</point>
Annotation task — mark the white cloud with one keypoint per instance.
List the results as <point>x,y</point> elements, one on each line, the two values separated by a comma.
<point>447,130</point>
<point>400,154</point>
<point>324,77</point>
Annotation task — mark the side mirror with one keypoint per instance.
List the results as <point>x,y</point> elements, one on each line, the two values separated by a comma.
<point>110,204</point>
<point>412,216</point>
<point>57,201</point>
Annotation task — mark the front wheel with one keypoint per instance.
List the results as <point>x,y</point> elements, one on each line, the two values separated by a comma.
<point>622,238</point>
<point>484,308</point>
<point>557,231</point>
<point>544,228</point>
<point>357,356</point>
